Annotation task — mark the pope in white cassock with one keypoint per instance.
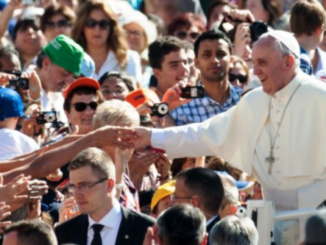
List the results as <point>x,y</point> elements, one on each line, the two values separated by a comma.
<point>277,133</point>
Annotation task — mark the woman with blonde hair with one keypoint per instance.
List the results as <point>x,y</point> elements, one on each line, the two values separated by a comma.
<point>99,33</point>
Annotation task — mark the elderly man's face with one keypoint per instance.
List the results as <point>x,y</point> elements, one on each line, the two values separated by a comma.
<point>271,68</point>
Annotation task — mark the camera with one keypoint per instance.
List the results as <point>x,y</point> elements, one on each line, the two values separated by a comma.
<point>19,84</point>
<point>191,92</point>
<point>160,109</point>
<point>257,29</point>
<point>47,117</point>
<point>229,27</point>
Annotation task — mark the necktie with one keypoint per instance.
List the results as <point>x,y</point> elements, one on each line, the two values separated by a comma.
<point>97,240</point>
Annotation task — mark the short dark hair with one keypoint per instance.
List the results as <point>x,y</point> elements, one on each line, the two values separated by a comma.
<point>182,224</point>
<point>207,185</point>
<point>82,90</point>
<point>99,161</point>
<point>7,52</point>
<point>214,34</point>
<point>162,47</point>
<point>24,23</point>
<point>123,77</point>
<point>31,232</point>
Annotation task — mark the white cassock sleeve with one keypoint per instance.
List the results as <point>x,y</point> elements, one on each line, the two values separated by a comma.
<point>215,136</point>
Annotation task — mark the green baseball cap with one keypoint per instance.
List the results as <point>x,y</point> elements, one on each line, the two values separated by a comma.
<point>66,53</point>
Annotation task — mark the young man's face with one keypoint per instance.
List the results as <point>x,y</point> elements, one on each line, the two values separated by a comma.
<point>175,68</point>
<point>213,60</point>
<point>90,200</point>
<point>82,119</point>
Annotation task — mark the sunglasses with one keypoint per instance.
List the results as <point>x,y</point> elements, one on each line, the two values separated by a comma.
<point>184,34</point>
<point>81,106</point>
<point>103,24</point>
<point>241,78</point>
<point>59,24</point>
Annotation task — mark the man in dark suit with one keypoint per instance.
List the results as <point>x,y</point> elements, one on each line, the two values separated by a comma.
<point>203,189</point>
<point>103,221</point>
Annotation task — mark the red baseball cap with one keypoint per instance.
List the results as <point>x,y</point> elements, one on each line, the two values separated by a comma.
<point>81,82</point>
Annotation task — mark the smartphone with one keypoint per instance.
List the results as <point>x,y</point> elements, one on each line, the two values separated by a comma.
<point>191,92</point>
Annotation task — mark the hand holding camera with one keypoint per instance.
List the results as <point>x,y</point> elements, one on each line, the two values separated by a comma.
<point>47,117</point>
<point>5,78</point>
<point>182,93</point>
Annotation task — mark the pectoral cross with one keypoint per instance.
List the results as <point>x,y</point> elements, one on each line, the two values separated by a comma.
<point>270,160</point>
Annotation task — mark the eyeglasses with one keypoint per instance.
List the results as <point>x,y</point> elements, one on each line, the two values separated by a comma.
<point>184,34</point>
<point>59,24</point>
<point>84,187</point>
<point>241,78</point>
<point>103,24</point>
<point>173,197</point>
<point>81,106</point>
<point>137,34</point>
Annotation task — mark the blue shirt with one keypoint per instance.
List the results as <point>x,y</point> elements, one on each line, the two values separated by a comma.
<point>305,63</point>
<point>200,109</point>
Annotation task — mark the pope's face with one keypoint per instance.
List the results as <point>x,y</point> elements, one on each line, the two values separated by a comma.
<point>270,66</point>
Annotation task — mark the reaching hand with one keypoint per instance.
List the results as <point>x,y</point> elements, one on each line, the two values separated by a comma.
<point>4,213</point>
<point>114,136</point>
<point>141,161</point>
<point>163,166</point>
<point>12,192</point>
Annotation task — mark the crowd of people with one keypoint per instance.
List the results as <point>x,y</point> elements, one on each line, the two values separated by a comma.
<point>140,122</point>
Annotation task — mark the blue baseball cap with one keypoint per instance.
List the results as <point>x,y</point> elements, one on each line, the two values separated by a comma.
<point>11,104</point>
<point>241,185</point>
<point>88,66</point>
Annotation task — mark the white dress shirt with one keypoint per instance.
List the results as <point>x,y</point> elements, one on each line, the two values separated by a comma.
<point>111,222</point>
<point>133,67</point>
<point>54,100</point>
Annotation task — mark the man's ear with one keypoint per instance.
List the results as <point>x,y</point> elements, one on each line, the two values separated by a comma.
<point>289,62</point>
<point>231,66</point>
<point>196,201</point>
<point>46,62</point>
<point>111,184</point>
<point>196,62</point>
<point>157,73</point>
<point>232,209</point>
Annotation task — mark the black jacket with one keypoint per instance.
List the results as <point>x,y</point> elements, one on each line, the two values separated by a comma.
<point>132,229</point>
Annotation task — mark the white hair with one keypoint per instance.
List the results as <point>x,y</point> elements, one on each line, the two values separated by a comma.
<point>234,231</point>
<point>115,113</point>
